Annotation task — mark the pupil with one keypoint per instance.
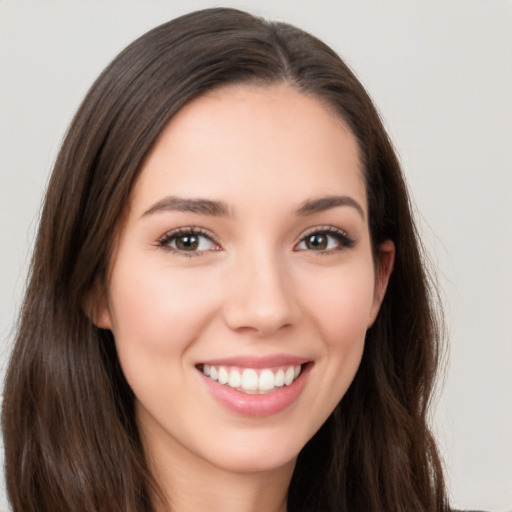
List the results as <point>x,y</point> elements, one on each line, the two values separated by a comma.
<point>187,242</point>
<point>318,242</point>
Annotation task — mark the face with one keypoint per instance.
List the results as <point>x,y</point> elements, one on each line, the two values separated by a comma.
<point>243,282</point>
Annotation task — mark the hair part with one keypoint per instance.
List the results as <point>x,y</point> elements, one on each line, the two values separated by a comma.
<point>68,419</point>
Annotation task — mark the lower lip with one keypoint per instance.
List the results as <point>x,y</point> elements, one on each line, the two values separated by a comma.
<point>266,404</point>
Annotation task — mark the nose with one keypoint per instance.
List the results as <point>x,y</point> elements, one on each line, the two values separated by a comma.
<point>261,298</point>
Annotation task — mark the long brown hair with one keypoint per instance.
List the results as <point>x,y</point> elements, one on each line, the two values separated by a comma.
<point>71,440</point>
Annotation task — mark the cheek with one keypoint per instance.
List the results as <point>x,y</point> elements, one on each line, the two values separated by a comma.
<point>157,311</point>
<point>157,314</point>
<point>341,303</point>
<point>338,304</point>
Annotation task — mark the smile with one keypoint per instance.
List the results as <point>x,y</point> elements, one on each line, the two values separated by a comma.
<point>256,387</point>
<point>251,380</point>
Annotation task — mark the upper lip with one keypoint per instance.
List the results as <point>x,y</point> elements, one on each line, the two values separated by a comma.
<point>258,362</point>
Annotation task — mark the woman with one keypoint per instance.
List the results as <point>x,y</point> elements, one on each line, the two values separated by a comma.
<point>227,304</point>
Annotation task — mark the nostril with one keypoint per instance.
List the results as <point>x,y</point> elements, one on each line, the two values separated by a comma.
<point>264,321</point>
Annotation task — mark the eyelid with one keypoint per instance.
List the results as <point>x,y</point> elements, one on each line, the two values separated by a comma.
<point>344,239</point>
<point>165,239</point>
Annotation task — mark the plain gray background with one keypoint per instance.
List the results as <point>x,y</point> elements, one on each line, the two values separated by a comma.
<point>440,73</point>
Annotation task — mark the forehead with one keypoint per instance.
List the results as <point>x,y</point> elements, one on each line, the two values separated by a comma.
<point>274,142</point>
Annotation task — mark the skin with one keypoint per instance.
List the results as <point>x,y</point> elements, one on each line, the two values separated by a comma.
<point>257,289</point>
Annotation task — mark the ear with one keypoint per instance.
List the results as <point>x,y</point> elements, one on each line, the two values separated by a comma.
<point>97,309</point>
<point>384,267</point>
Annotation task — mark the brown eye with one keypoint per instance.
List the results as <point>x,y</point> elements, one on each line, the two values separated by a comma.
<point>316,242</point>
<point>187,242</point>
<point>325,240</point>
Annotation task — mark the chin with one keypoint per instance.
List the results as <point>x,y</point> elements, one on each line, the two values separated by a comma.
<point>256,455</point>
<point>256,464</point>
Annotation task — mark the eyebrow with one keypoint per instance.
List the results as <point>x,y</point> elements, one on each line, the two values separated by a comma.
<point>326,203</point>
<point>220,209</point>
<point>179,204</point>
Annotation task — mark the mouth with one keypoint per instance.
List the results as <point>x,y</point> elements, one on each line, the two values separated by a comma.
<point>253,381</point>
<point>256,387</point>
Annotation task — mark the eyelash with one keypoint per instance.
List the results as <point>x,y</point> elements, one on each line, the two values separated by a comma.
<point>343,239</point>
<point>165,241</point>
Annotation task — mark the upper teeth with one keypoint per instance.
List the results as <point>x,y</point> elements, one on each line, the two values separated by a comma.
<point>250,380</point>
